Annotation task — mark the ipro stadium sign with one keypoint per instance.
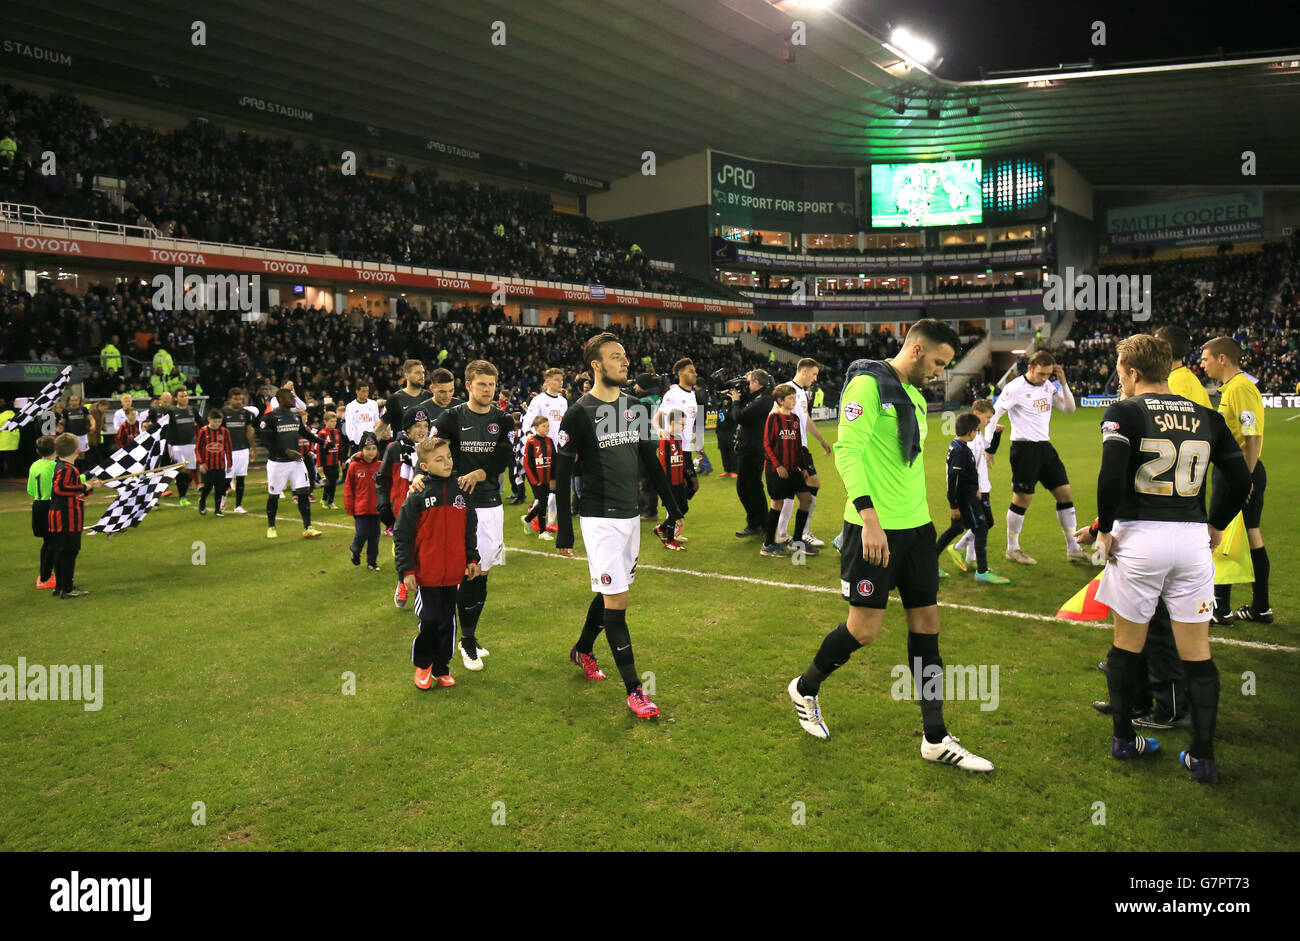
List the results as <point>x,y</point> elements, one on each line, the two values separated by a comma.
<point>1206,221</point>
<point>755,194</point>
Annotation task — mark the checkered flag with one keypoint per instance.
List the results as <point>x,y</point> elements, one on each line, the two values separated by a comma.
<point>145,453</point>
<point>43,402</point>
<point>136,496</point>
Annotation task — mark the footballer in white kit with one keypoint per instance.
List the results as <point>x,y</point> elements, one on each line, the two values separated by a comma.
<point>552,404</point>
<point>1028,401</point>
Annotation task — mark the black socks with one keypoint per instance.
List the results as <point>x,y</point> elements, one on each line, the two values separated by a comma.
<point>304,509</point>
<point>1123,677</point>
<point>925,648</point>
<point>1203,691</point>
<point>836,648</point>
<point>239,491</point>
<point>469,606</point>
<point>272,508</point>
<point>593,626</point>
<point>800,521</point>
<point>769,531</point>
<point>1259,591</point>
<point>620,643</point>
<point>981,537</point>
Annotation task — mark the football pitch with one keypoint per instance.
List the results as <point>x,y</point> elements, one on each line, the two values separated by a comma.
<point>257,695</point>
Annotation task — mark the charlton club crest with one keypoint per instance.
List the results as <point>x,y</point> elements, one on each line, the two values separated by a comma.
<point>493,428</point>
<point>865,587</point>
<point>606,580</point>
<point>459,502</point>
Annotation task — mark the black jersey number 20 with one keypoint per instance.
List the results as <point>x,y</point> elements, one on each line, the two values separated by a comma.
<point>1192,458</point>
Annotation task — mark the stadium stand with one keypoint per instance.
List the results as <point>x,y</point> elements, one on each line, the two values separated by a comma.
<point>202,183</point>
<point>1252,297</point>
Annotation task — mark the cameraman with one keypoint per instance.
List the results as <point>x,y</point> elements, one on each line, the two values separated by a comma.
<point>749,410</point>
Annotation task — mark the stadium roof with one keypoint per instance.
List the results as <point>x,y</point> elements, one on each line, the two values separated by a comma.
<point>588,86</point>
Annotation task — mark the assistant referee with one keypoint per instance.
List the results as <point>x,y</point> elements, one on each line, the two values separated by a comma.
<point>888,540</point>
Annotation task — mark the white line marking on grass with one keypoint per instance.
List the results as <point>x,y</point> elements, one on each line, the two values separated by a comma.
<point>1024,615</point>
<point>999,612</point>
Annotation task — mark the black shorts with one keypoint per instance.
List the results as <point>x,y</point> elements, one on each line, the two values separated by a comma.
<point>779,488</point>
<point>1254,508</point>
<point>40,518</point>
<point>913,568</point>
<point>1033,463</point>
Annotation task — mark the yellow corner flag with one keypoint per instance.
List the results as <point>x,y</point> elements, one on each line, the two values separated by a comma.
<point>1084,606</point>
<point>1232,565</point>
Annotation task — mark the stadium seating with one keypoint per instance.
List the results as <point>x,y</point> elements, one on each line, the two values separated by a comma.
<point>1252,297</point>
<point>203,183</point>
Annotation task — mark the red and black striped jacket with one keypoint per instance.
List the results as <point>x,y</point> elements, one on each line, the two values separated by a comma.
<point>67,513</point>
<point>327,448</point>
<point>781,445</point>
<point>539,460</point>
<point>672,460</point>
<point>436,534</point>
<point>212,448</point>
<point>127,434</point>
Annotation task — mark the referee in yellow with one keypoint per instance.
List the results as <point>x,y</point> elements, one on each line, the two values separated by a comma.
<point>1182,381</point>
<point>1242,407</point>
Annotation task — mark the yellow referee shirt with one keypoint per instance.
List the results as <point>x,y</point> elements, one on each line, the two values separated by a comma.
<point>1182,381</point>
<point>1242,407</point>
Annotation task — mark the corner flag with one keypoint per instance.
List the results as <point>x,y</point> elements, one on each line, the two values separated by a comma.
<point>1084,606</point>
<point>1232,565</point>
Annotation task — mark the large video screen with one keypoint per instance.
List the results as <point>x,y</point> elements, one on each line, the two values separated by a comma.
<point>947,192</point>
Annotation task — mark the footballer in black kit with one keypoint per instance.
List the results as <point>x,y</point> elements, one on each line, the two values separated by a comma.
<point>481,452</point>
<point>183,421</point>
<point>238,418</point>
<point>1157,449</point>
<point>604,436</point>
<point>281,428</point>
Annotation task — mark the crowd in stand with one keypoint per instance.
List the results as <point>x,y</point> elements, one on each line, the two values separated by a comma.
<point>203,183</point>
<point>324,353</point>
<point>1220,295</point>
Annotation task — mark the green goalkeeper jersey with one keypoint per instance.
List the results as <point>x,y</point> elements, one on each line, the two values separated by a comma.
<point>40,478</point>
<point>870,460</point>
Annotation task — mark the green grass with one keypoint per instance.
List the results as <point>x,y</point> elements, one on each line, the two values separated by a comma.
<point>223,685</point>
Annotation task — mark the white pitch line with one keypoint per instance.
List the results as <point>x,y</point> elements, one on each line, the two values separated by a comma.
<point>1255,645</point>
<point>1023,615</point>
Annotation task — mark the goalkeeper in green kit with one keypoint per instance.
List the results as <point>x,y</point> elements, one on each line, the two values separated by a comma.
<point>888,540</point>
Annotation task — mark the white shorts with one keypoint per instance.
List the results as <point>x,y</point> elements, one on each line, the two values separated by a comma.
<point>613,546</point>
<point>239,463</point>
<point>1154,560</point>
<point>279,473</point>
<point>83,442</point>
<point>184,452</point>
<point>491,536</point>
